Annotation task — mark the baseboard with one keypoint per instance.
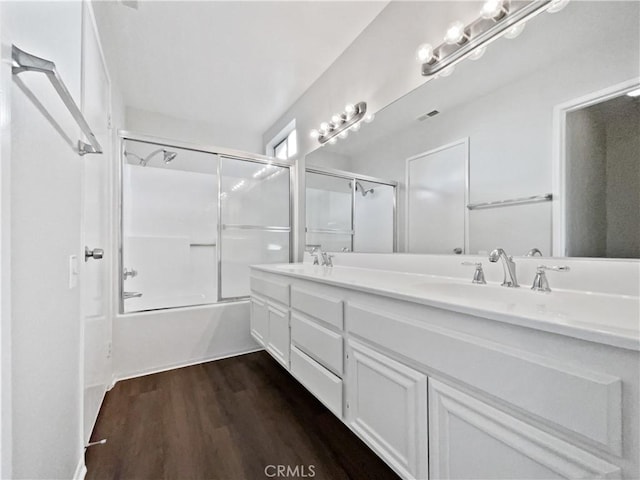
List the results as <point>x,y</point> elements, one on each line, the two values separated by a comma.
<point>81,469</point>
<point>175,366</point>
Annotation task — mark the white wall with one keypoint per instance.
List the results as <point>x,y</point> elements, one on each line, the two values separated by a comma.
<point>45,183</point>
<point>5,266</point>
<point>165,126</point>
<point>378,67</point>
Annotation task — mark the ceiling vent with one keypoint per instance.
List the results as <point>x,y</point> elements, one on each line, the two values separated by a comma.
<point>432,113</point>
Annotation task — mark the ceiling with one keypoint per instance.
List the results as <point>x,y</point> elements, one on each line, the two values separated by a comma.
<point>241,64</point>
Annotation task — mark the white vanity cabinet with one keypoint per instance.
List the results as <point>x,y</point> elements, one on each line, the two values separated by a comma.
<point>441,394</point>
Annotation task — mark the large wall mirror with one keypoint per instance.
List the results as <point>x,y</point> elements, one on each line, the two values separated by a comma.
<point>534,145</point>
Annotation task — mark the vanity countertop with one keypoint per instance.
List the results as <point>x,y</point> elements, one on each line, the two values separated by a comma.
<point>597,317</point>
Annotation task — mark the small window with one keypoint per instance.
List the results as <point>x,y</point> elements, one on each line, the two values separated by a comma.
<point>285,144</point>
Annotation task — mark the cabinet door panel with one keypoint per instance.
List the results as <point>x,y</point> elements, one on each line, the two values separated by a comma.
<point>387,408</point>
<point>278,343</point>
<point>259,320</point>
<point>471,439</point>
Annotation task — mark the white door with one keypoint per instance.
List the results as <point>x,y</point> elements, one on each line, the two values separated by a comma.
<point>436,199</point>
<point>96,304</point>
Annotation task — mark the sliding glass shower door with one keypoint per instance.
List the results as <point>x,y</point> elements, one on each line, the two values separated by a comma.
<point>169,222</point>
<point>255,228</point>
<point>193,221</point>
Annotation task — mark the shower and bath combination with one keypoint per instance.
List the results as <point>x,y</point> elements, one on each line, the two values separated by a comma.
<point>168,156</point>
<point>361,189</point>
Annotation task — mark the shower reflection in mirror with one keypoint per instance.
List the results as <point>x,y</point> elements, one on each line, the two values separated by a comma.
<point>346,212</point>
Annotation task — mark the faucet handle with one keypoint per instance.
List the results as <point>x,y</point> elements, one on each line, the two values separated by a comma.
<point>478,275</point>
<point>540,282</point>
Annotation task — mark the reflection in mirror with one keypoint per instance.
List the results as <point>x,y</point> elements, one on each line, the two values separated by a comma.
<point>504,104</point>
<point>349,213</point>
<point>603,179</point>
<point>436,196</point>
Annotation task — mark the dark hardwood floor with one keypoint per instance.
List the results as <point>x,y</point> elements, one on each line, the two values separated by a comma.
<point>230,419</point>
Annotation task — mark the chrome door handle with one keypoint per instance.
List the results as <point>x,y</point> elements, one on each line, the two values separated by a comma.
<point>96,253</point>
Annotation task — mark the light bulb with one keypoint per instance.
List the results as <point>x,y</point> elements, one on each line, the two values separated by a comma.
<point>333,141</point>
<point>336,119</point>
<point>324,127</point>
<point>447,71</point>
<point>478,53</point>
<point>369,118</point>
<point>557,5</point>
<point>514,31</point>
<point>344,134</point>
<point>350,109</point>
<point>455,33</point>
<point>425,53</point>
<point>356,126</point>
<point>314,133</point>
<point>492,9</point>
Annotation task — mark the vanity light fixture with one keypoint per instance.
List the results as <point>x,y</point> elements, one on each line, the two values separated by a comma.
<point>497,18</point>
<point>342,123</point>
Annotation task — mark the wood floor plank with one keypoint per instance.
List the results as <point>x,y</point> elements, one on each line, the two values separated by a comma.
<point>226,420</point>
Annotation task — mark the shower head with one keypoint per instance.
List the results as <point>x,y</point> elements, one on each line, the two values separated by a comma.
<point>360,188</point>
<point>167,156</point>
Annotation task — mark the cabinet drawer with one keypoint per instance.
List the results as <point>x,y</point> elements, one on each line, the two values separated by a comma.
<point>325,308</point>
<point>318,342</point>
<point>318,380</point>
<point>278,291</point>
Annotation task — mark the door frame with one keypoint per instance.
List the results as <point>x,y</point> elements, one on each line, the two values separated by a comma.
<point>559,157</point>
<point>89,22</point>
<point>463,141</point>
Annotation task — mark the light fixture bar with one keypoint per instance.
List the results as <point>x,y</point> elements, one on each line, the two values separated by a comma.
<point>336,128</point>
<point>481,32</point>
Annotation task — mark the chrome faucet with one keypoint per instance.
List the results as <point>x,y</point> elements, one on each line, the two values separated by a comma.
<point>326,259</point>
<point>318,256</point>
<point>508,265</point>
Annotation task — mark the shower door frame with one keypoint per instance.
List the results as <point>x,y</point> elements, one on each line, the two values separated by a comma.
<point>220,152</point>
<point>354,177</point>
